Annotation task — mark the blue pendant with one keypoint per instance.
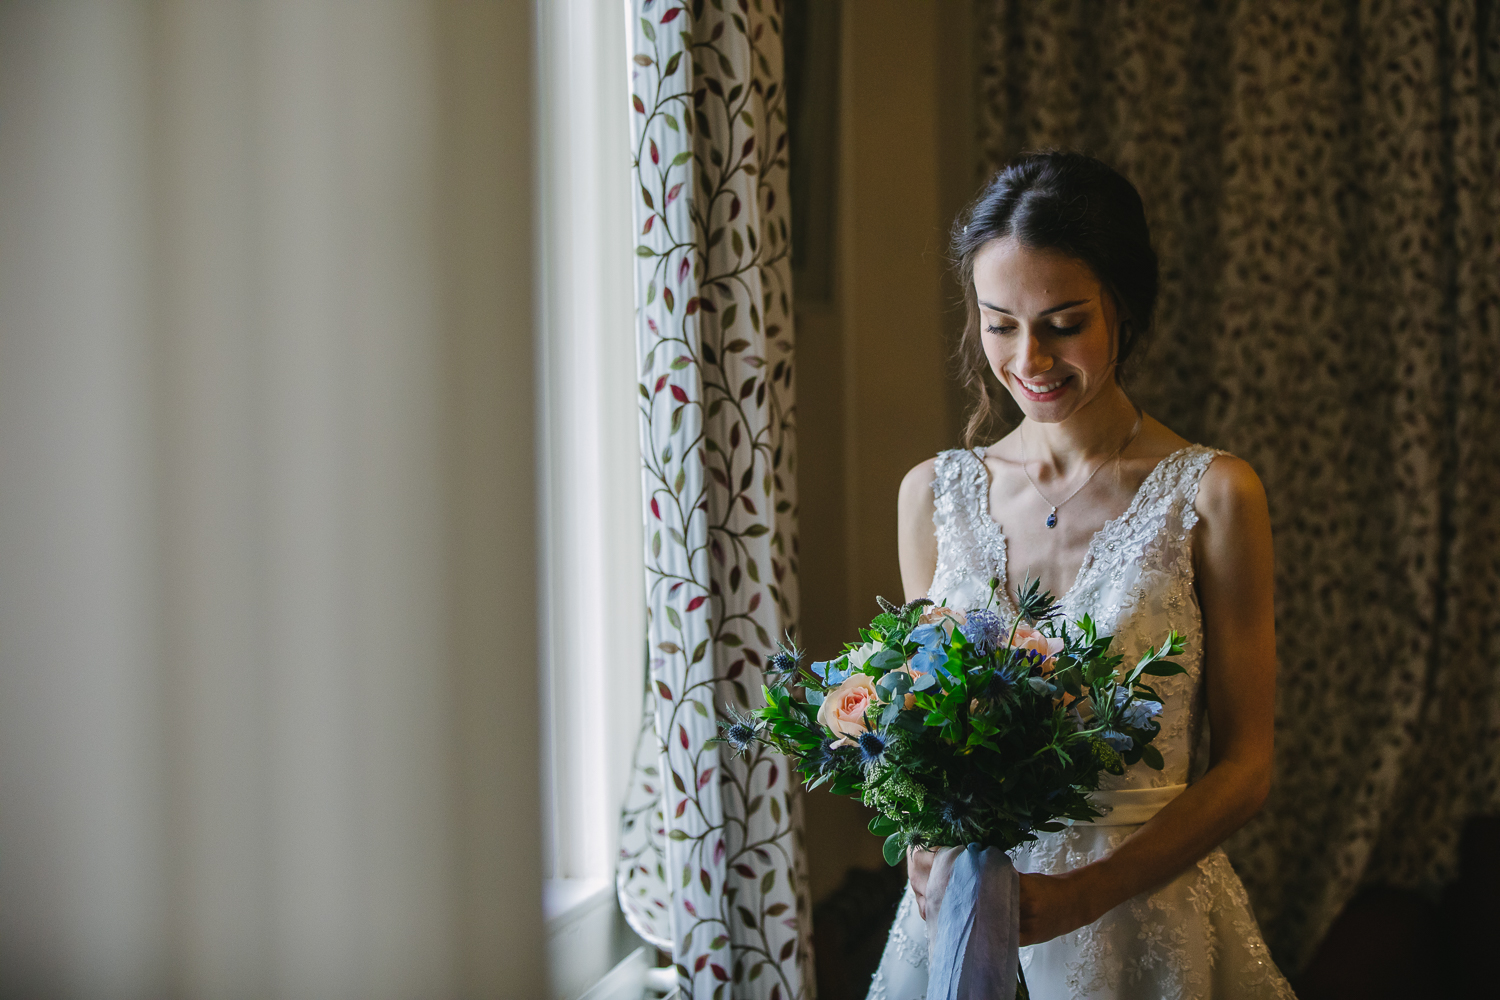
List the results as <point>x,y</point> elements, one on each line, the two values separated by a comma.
<point>1052,518</point>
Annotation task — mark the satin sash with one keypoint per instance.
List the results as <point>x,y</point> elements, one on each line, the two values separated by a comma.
<point>1130,806</point>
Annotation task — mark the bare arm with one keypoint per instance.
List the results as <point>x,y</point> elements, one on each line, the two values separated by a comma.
<point>916,545</point>
<point>1234,565</point>
<point>916,541</point>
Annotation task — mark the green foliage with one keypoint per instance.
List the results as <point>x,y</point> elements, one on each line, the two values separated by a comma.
<point>981,745</point>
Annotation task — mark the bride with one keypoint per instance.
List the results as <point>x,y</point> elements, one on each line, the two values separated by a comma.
<point>1143,531</point>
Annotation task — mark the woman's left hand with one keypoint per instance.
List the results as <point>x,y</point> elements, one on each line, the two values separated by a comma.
<point>1051,905</point>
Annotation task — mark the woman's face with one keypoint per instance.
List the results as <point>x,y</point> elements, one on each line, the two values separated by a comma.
<point>1047,326</point>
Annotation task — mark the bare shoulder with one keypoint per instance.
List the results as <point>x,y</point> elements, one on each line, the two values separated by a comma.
<point>916,542</point>
<point>1230,494</point>
<point>916,495</point>
<point>1155,439</point>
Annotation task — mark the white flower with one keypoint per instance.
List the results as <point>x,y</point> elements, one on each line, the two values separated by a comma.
<point>858,657</point>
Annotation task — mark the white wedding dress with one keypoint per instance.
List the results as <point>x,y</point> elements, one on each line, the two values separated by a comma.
<point>1195,936</point>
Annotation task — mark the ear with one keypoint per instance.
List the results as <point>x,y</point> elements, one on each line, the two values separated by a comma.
<point>1121,322</point>
<point>1114,349</point>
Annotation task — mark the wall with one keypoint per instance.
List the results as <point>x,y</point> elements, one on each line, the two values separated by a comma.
<point>874,391</point>
<point>268,691</point>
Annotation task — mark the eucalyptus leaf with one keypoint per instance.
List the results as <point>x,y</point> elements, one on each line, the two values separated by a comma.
<point>893,850</point>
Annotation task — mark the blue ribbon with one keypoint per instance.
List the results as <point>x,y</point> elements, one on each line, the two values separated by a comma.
<point>976,952</point>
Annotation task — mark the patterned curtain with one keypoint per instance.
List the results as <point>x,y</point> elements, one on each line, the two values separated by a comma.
<point>1322,184</point>
<point>711,866</point>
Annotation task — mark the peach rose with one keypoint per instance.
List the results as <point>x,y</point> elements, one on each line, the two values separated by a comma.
<point>843,709</point>
<point>1027,637</point>
<point>944,616</point>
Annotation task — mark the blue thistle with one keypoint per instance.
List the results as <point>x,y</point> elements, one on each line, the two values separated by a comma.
<point>1000,682</point>
<point>957,813</point>
<point>741,732</point>
<point>872,747</point>
<point>827,756</point>
<point>785,659</point>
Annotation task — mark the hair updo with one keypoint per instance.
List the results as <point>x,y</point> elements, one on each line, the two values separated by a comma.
<point>1073,204</point>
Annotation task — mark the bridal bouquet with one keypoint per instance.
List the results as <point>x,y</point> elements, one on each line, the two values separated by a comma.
<point>961,730</point>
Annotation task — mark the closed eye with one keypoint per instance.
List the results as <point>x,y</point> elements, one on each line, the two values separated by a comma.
<point>1061,331</point>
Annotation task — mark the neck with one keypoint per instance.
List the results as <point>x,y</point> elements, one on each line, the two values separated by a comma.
<point>1094,430</point>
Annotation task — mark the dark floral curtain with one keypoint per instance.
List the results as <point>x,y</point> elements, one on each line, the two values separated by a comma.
<point>1323,190</point>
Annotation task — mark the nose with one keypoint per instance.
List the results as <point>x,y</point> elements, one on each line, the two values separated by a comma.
<point>1030,359</point>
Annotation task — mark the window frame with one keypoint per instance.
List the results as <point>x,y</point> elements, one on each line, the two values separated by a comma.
<point>592,597</point>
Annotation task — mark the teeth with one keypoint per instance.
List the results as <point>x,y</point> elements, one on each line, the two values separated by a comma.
<point>1039,389</point>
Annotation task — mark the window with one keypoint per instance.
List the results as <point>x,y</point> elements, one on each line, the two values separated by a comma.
<point>593,600</point>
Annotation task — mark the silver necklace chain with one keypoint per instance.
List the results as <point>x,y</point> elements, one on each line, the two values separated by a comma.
<point>1026,468</point>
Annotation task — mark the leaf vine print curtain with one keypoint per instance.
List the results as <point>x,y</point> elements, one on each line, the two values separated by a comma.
<point>1322,185</point>
<point>711,865</point>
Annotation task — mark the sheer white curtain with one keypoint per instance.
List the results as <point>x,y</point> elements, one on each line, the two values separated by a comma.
<point>268,645</point>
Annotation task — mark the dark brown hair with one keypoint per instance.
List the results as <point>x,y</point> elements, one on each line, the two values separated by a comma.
<point>1073,204</point>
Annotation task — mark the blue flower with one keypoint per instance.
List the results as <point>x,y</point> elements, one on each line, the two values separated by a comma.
<point>959,815</point>
<point>826,756</point>
<point>1119,741</point>
<point>1141,713</point>
<point>983,628</point>
<point>782,663</point>
<point>872,747</point>
<point>927,660</point>
<point>1000,682</point>
<point>826,672</point>
<point>1027,660</point>
<point>1138,714</point>
<point>741,731</point>
<point>928,636</point>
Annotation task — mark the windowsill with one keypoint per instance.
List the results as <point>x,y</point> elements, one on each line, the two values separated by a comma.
<point>567,900</point>
<point>587,938</point>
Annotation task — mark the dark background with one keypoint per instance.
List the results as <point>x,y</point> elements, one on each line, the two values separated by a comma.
<point>1321,182</point>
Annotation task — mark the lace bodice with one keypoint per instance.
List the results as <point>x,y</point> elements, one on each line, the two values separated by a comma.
<point>1136,582</point>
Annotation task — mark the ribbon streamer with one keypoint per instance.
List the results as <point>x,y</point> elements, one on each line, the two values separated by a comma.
<point>973,925</point>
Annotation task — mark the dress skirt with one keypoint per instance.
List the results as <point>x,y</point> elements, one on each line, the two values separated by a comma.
<point>1193,938</point>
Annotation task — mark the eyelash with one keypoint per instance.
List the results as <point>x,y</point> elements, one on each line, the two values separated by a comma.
<point>1061,331</point>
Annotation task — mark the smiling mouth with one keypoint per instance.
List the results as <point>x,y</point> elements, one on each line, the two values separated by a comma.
<point>1042,390</point>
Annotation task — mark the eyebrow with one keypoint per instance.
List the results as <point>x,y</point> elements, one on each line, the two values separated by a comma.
<point>1044,312</point>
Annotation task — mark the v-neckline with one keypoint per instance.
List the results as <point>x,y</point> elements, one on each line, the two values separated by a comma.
<point>1090,554</point>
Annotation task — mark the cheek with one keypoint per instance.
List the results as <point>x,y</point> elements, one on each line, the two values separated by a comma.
<point>1092,352</point>
<point>994,351</point>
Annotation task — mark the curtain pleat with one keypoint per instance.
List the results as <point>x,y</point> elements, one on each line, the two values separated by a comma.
<point>1321,183</point>
<point>711,866</point>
